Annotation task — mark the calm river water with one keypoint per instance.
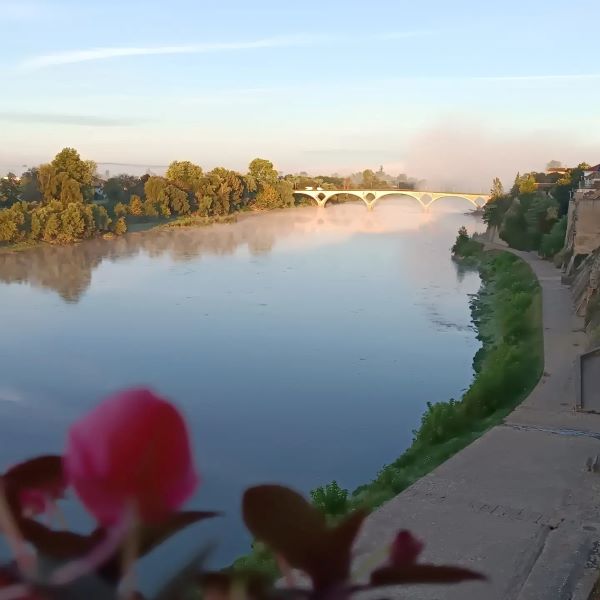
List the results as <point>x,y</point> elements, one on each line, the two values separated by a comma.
<point>302,345</point>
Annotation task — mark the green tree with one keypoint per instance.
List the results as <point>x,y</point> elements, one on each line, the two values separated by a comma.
<point>157,196</point>
<point>51,227</point>
<point>514,190</point>
<point>30,186</point>
<point>286,193</point>
<point>527,184</point>
<point>12,221</point>
<point>68,161</point>
<point>115,190</point>
<point>495,209</point>
<point>178,200</point>
<point>330,499</point>
<point>150,208</point>
<point>9,189</point>
<point>120,226</point>
<point>369,179</point>
<point>70,190</point>
<point>136,207</point>
<point>540,216</point>
<point>72,223</point>
<point>185,175</point>
<point>497,190</point>
<point>268,198</point>
<point>514,230</point>
<point>262,172</point>
<point>48,182</point>
<point>553,242</point>
<point>120,209</point>
<point>67,177</point>
<point>101,219</point>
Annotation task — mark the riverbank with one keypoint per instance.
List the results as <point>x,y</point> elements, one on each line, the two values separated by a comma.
<point>519,504</point>
<point>507,313</point>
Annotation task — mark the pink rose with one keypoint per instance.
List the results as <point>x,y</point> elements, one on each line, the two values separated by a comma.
<point>131,452</point>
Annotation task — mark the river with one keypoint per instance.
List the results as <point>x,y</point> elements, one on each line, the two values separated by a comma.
<point>302,344</point>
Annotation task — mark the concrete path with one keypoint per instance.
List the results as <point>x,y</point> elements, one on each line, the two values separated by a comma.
<point>518,504</point>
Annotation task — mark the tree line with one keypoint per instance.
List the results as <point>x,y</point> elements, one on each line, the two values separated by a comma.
<point>65,201</point>
<point>532,215</point>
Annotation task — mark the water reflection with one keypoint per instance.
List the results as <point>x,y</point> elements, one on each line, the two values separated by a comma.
<point>68,270</point>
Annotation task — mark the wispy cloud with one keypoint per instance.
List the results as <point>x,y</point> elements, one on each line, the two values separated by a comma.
<point>105,53</point>
<point>79,56</point>
<point>64,119</point>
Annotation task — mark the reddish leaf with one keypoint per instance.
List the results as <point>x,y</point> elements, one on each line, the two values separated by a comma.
<point>336,551</point>
<point>41,473</point>
<point>422,574</point>
<point>287,523</point>
<point>62,545</point>
<point>405,549</point>
<point>292,527</point>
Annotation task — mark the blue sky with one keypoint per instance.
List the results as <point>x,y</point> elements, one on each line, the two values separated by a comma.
<point>329,85</point>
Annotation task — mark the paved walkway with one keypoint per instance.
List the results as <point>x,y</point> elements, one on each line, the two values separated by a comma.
<point>518,504</point>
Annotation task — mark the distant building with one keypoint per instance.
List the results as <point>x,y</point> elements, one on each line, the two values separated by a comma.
<point>583,221</point>
<point>590,179</point>
<point>560,170</point>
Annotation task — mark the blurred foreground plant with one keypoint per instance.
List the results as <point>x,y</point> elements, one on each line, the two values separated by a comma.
<point>130,464</point>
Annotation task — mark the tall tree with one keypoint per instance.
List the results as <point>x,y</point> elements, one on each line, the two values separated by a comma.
<point>136,208</point>
<point>68,161</point>
<point>9,189</point>
<point>527,184</point>
<point>30,186</point>
<point>70,171</point>
<point>497,188</point>
<point>262,171</point>
<point>185,174</point>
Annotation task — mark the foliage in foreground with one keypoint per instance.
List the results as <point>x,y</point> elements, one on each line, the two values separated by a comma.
<point>134,489</point>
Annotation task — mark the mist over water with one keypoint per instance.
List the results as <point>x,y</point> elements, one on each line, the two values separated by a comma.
<point>302,345</point>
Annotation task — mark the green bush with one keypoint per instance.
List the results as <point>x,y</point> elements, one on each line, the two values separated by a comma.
<point>466,247</point>
<point>330,499</point>
<point>552,243</point>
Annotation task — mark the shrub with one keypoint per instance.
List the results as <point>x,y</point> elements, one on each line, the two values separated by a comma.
<point>330,499</point>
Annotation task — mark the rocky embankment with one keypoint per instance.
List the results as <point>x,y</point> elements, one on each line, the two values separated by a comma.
<point>585,284</point>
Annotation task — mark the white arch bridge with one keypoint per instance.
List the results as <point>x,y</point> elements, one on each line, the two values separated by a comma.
<point>371,197</point>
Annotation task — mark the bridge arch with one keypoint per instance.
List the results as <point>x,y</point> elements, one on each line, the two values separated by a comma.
<point>469,198</point>
<point>346,193</point>
<point>415,195</point>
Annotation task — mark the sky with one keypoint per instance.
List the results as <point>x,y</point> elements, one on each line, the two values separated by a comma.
<point>451,92</point>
